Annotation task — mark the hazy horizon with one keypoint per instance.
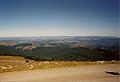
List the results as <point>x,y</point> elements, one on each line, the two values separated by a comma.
<point>35,18</point>
<point>53,36</point>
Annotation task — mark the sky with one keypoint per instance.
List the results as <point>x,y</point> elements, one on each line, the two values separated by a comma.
<point>28,18</point>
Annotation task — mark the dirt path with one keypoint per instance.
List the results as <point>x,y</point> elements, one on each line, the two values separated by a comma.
<point>84,73</point>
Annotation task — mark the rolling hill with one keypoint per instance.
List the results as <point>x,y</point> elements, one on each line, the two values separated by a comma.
<point>62,48</point>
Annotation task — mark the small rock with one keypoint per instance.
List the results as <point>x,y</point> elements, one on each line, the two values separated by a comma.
<point>3,67</point>
<point>10,67</point>
<point>31,67</point>
<point>46,62</point>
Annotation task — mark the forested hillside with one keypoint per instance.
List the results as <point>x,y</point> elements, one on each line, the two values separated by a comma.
<point>61,53</point>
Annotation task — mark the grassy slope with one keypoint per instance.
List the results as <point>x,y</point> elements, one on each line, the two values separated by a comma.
<point>14,63</point>
<point>11,58</point>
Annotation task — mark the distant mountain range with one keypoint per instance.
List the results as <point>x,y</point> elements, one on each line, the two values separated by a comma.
<point>93,42</point>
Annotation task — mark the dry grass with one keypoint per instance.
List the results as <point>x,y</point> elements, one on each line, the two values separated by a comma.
<point>14,63</point>
<point>11,58</point>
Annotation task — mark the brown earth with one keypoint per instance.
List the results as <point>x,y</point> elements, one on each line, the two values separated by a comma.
<point>83,73</point>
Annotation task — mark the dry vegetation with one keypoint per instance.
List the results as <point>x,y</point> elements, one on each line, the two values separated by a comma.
<point>14,63</point>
